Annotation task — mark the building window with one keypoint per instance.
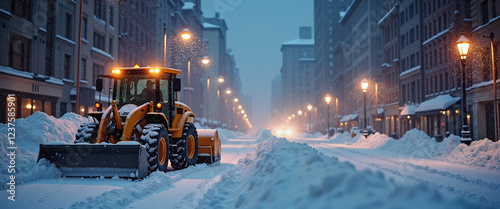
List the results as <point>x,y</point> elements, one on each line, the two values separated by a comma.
<point>411,10</point>
<point>19,48</point>
<point>68,27</point>
<point>110,45</point>
<point>84,28</point>
<point>98,41</point>
<point>83,74</point>
<point>67,66</point>
<point>100,9</point>
<point>484,10</point>
<point>111,16</point>
<point>21,8</point>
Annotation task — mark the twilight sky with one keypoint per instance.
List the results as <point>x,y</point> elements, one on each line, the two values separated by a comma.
<point>256,30</point>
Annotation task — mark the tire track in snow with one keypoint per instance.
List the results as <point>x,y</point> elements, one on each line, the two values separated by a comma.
<point>431,171</point>
<point>155,182</point>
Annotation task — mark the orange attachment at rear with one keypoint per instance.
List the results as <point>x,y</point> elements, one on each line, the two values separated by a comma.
<point>209,146</point>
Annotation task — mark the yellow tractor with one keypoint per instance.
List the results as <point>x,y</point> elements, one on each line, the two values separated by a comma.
<point>143,128</point>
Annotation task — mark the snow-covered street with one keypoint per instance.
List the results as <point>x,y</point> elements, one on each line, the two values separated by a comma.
<point>263,171</point>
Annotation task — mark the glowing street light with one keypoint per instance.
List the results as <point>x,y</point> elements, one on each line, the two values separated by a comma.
<point>364,86</point>
<point>309,107</point>
<point>221,79</point>
<point>205,60</point>
<point>236,100</point>
<point>185,34</point>
<point>328,99</point>
<point>463,49</point>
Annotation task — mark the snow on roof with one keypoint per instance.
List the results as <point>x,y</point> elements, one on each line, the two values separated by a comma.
<point>5,12</point>
<point>437,35</point>
<point>29,75</point>
<point>408,110</point>
<point>347,11</point>
<point>482,26</point>
<point>386,65</point>
<point>188,6</point>
<point>65,39</point>
<point>103,53</point>
<point>411,70</point>
<point>342,14</point>
<point>349,117</point>
<point>482,84</point>
<point>386,15</point>
<point>441,102</point>
<point>209,25</point>
<point>307,59</point>
<point>300,42</point>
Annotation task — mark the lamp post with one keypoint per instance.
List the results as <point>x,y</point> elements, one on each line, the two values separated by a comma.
<point>309,107</point>
<point>186,35</point>
<point>364,86</point>
<point>328,99</point>
<point>463,49</point>
<point>205,61</point>
<point>492,48</point>
<point>300,119</point>
<point>221,80</point>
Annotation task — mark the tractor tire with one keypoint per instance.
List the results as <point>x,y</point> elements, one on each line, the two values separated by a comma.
<point>87,133</point>
<point>187,148</point>
<point>156,140</point>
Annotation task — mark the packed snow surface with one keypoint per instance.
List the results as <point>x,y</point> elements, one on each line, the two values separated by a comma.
<point>275,173</point>
<point>283,174</point>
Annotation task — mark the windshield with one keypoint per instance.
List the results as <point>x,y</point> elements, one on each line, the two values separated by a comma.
<point>137,90</point>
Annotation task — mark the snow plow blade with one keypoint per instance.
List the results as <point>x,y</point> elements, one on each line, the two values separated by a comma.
<point>96,160</point>
<point>209,146</point>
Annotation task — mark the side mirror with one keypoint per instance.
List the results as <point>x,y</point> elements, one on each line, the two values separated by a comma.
<point>98,85</point>
<point>177,84</point>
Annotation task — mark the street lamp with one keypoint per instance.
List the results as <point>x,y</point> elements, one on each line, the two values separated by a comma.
<point>205,60</point>
<point>492,49</point>
<point>463,49</point>
<point>309,107</point>
<point>300,119</point>
<point>221,80</point>
<point>185,34</point>
<point>328,99</point>
<point>364,86</point>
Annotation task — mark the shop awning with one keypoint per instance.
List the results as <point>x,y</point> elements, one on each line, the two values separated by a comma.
<point>408,110</point>
<point>441,102</point>
<point>349,117</point>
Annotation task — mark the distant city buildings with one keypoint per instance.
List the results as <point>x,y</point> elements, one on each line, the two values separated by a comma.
<point>407,51</point>
<point>38,63</point>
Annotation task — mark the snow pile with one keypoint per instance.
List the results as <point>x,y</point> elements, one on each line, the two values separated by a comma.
<point>345,138</point>
<point>265,134</point>
<point>36,129</point>
<point>373,140</point>
<point>283,174</point>
<point>483,153</point>
<point>417,143</point>
<point>225,134</point>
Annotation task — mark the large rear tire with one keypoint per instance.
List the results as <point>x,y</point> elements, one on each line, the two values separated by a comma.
<point>87,133</point>
<point>156,140</point>
<point>187,148</point>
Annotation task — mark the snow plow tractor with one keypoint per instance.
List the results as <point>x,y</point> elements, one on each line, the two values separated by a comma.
<point>143,128</point>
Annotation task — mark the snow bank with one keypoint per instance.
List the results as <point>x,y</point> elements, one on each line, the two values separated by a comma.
<point>265,134</point>
<point>36,129</point>
<point>345,138</point>
<point>483,153</point>
<point>373,140</point>
<point>417,143</point>
<point>283,174</point>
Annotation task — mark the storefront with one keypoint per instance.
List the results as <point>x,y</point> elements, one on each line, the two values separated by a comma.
<point>440,116</point>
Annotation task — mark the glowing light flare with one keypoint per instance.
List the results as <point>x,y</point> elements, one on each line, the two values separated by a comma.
<point>205,60</point>
<point>228,91</point>
<point>463,46</point>
<point>309,107</point>
<point>328,99</point>
<point>185,34</point>
<point>221,79</point>
<point>236,100</point>
<point>364,84</point>
<point>97,105</point>
<point>299,112</point>
<point>158,105</point>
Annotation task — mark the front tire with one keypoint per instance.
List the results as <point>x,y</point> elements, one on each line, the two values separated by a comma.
<point>187,148</point>
<point>87,133</point>
<point>156,140</point>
